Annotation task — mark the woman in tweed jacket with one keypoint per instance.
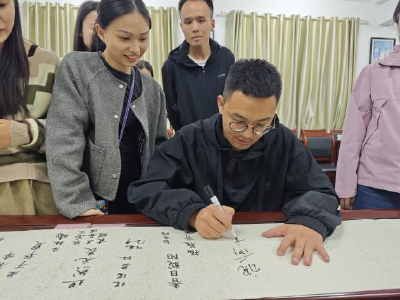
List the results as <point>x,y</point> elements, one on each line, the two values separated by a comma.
<point>106,117</point>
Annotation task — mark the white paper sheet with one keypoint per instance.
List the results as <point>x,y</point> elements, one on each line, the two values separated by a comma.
<point>164,263</point>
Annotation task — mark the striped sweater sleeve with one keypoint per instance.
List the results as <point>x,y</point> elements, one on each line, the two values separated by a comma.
<point>29,133</point>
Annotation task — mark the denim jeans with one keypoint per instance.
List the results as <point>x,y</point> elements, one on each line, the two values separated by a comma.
<point>371,198</point>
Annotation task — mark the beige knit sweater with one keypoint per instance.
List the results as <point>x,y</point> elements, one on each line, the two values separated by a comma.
<point>25,159</point>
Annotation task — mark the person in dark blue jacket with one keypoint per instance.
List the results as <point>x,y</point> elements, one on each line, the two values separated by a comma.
<point>250,160</point>
<point>194,73</point>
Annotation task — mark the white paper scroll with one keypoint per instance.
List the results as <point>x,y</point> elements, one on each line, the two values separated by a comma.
<point>164,263</point>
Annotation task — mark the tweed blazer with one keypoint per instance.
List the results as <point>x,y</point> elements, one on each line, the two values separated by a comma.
<point>83,153</point>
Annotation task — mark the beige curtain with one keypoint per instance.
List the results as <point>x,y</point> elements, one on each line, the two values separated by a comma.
<point>163,37</point>
<point>52,26</point>
<point>49,25</point>
<point>316,58</point>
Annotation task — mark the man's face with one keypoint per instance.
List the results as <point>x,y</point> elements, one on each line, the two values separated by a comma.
<point>249,110</point>
<point>196,22</point>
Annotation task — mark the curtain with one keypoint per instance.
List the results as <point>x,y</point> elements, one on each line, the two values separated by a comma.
<point>316,58</point>
<point>49,25</point>
<point>52,26</point>
<point>163,37</point>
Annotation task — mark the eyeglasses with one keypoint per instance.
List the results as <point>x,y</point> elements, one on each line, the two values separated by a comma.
<point>239,126</point>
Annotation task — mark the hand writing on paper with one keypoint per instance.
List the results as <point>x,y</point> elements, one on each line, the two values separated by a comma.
<point>92,212</point>
<point>5,139</point>
<point>303,239</point>
<point>347,203</point>
<point>211,222</point>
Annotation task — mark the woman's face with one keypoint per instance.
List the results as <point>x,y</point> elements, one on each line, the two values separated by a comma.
<point>126,39</point>
<point>87,28</point>
<point>7,17</point>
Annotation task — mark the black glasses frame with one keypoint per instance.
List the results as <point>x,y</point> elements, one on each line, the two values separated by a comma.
<point>245,126</point>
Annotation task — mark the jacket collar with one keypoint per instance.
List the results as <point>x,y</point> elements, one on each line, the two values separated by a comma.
<point>180,54</point>
<point>393,59</point>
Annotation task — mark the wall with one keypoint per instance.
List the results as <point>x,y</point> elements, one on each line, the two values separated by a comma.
<point>375,14</point>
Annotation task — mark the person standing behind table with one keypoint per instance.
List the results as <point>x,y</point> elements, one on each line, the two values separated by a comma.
<point>106,118</point>
<point>85,20</point>
<point>251,162</point>
<point>194,73</point>
<point>146,68</point>
<point>26,83</point>
<point>368,172</point>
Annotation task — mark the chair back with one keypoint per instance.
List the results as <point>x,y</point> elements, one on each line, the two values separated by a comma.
<point>337,133</point>
<point>310,132</point>
<point>295,132</point>
<point>321,146</point>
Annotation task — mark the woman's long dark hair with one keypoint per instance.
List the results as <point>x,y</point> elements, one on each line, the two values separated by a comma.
<point>83,11</point>
<point>109,10</point>
<point>14,71</point>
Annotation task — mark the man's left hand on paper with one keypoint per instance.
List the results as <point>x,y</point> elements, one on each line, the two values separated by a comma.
<point>303,240</point>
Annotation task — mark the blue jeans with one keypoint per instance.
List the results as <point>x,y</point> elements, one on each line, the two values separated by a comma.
<point>371,198</point>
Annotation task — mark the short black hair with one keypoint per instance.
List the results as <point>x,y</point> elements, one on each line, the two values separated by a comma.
<point>142,64</point>
<point>396,13</point>
<point>253,77</point>
<point>210,4</point>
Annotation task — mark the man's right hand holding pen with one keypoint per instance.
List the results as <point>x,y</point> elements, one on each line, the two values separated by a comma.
<point>211,222</point>
<point>214,220</point>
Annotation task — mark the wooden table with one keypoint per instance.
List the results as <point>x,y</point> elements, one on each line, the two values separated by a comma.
<point>21,223</point>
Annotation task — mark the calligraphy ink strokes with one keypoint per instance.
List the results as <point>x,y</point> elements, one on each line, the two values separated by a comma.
<point>165,263</point>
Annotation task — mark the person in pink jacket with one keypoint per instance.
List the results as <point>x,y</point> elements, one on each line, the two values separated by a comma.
<point>368,172</point>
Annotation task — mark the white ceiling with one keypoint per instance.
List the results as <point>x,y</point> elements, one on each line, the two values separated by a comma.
<point>371,1</point>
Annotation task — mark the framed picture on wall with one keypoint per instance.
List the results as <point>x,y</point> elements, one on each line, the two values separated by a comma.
<point>380,47</point>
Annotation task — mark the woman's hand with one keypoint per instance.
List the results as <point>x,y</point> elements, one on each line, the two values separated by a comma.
<point>347,203</point>
<point>91,212</point>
